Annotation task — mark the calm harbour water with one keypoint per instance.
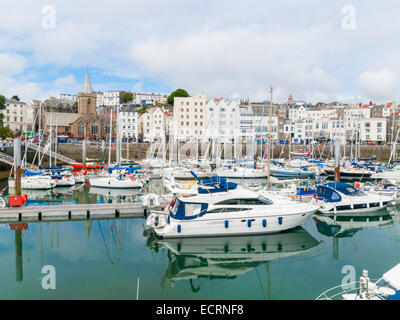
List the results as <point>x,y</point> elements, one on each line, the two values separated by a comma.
<point>103,259</point>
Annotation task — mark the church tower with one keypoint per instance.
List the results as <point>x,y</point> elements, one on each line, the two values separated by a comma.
<point>87,98</point>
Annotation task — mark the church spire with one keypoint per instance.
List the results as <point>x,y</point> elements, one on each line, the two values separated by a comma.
<point>87,86</point>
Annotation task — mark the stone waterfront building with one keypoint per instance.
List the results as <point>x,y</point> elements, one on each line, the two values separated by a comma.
<point>89,124</point>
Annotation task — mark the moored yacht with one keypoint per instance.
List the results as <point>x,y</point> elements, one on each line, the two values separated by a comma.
<point>344,198</point>
<point>227,209</point>
<point>284,172</point>
<point>392,175</point>
<point>241,173</point>
<point>119,182</point>
<point>34,183</point>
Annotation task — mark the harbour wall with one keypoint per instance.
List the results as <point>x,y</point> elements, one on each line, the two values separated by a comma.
<point>139,151</point>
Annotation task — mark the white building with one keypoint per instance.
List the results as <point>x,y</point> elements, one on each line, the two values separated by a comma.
<point>373,129</point>
<point>227,120</point>
<point>128,120</point>
<point>18,116</point>
<point>149,98</point>
<point>153,124</point>
<point>356,112</point>
<point>189,117</point>
<point>222,120</point>
<point>108,98</point>
<point>67,97</point>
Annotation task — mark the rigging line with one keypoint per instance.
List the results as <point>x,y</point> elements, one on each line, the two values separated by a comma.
<point>261,287</point>
<point>105,243</point>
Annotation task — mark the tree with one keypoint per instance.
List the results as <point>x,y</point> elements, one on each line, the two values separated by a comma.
<point>6,132</point>
<point>2,107</point>
<point>15,98</point>
<point>177,93</point>
<point>127,97</point>
<point>142,110</point>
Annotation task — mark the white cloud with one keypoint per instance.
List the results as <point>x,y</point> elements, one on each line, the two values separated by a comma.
<point>223,48</point>
<point>238,62</point>
<point>66,82</point>
<point>378,84</point>
<point>11,64</point>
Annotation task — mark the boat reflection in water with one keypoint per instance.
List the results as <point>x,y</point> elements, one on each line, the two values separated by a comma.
<point>346,225</point>
<point>226,257</point>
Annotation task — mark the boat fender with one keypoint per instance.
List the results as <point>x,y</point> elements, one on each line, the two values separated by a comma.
<point>264,222</point>
<point>179,228</point>
<point>226,224</point>
<point>280,220</point>
<point>249,223</point>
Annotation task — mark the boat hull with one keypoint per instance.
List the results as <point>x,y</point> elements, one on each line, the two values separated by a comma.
<point>291,174</point>
<point>112,183</point>
<point>349,175</point>
<point>204,227</point>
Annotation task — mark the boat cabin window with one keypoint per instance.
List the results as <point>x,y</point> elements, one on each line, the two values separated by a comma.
<point>328,194</point>
<point>255,201</point>
<point>192,209</point>
<point>225,210</point>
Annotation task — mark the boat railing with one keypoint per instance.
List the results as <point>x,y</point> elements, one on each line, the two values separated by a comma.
<point>339,290</point>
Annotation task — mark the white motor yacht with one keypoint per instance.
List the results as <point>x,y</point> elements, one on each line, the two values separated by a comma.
<point>344,198</point>
<point>227,209</point>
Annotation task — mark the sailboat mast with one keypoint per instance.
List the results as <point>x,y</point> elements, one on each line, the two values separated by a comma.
<point>269,143</point>
<point>50,132</point>
<point>40,126</point>
<point>56,142</point>
<point>110,137</point>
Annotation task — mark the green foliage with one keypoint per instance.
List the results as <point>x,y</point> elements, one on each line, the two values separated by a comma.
<point>15,98</point>
<point>127,97</point>
<point>177,93</point>
<point>5,132</point>
<point>142,110</point>
<point>2,102</point>
<point>2,107</point>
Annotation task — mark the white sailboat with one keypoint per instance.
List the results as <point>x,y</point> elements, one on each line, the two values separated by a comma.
<point>116,182</point>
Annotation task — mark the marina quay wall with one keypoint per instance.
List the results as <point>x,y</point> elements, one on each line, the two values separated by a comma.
<point>138,151</point>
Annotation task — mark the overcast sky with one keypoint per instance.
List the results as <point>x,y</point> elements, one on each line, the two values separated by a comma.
<point>316,50</point>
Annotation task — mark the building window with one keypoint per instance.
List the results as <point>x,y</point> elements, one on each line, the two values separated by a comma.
<point>95,128</point>
<point>81,128</point>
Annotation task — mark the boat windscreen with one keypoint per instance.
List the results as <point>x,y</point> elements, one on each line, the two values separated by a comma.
<point>345,188</point>
<point>351,191</point>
